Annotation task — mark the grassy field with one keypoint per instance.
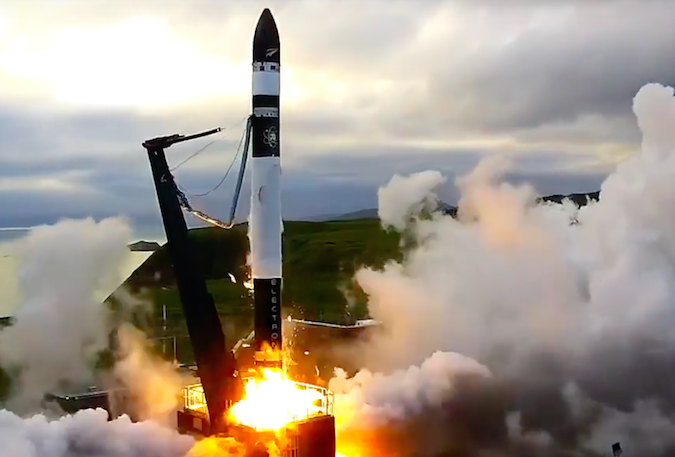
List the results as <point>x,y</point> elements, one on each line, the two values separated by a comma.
<point>320,259</point>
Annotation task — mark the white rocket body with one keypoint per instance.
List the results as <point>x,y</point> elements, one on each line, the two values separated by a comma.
<point>265,224</point>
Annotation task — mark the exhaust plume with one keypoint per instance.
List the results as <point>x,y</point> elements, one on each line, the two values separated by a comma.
<point>66,270</point>
<point>405,197</point>
<point>374,399</point>
<point>154,384</point>
<point>573,323</point>
<point>88,433</point>
<point>61,323</point>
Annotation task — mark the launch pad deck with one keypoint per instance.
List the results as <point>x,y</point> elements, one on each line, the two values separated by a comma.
<point>311,433</point>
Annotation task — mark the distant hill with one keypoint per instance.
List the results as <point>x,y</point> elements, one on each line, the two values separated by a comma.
<point>144,246</point>
<point>578,199</point>
<point>371,213</point>
<point>360,214</point>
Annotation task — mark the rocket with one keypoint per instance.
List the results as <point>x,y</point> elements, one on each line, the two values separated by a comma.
<point>265,225</point>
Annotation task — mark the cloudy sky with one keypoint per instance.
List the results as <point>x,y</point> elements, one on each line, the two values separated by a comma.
<point>369,88</point>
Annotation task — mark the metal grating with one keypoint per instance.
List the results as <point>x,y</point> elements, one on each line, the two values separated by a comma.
<point>194,398</point>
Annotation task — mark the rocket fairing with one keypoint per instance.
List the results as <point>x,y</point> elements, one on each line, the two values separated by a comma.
<point>265,225</point>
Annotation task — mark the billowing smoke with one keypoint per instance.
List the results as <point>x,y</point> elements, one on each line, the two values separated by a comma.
<point>154,384</point>
<point>61,326</point>
<point>406,197</point>
<point>88,434</point>
<point>61,322</point>
<point>569,325</point>
<point>366,396</point>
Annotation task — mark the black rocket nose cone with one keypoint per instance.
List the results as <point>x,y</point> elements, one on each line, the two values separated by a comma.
<point>266,45</point>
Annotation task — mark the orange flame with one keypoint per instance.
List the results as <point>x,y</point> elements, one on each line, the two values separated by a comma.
<point>272,402</point>
<point>216,447</point>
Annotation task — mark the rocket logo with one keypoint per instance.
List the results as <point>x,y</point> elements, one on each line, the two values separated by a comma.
<point>270,137</point>
<point>271,51</point>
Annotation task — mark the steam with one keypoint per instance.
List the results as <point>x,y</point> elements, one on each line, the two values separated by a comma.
<point>574,322</point>
<point>61,323</point>
<point>404,197</point>
<point>88,433</point>
<point>366,398</point>
<point>60,327</point>
<point>153,383</point>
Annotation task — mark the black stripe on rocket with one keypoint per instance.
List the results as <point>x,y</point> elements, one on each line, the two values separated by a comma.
<point>265,136</point>
<point>267,313</point>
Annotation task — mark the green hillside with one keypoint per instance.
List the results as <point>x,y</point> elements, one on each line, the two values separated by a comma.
<point>320,259</point>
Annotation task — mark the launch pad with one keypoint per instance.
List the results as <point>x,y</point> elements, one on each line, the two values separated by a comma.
<point>309,432</point>
<point>194,404</point>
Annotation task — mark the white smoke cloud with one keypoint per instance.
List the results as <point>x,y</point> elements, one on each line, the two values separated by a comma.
<point>154,384</point>
<point>61,324</point>
<point>406,196</point>
<point>374,399</point>
<point>59,328</point>
<point>88,433</point>
<point>543,303</point>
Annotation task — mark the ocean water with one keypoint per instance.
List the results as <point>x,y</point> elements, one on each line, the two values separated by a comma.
<point>10,293</point>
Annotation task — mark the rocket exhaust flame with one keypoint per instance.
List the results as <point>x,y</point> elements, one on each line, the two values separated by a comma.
<point>272,402</point>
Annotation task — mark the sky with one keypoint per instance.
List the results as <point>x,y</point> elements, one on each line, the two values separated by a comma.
<point>370,88</point>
